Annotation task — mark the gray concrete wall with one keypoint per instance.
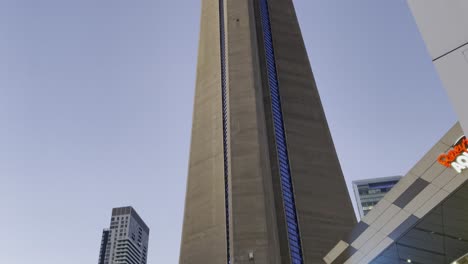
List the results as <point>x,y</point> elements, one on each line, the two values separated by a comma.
<point>204,230</point>
<point>323,203</point>
<point>257,222</point>
<point>252,206</point>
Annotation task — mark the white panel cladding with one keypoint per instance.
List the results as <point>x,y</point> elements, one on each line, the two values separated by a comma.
<point>443,24</point>
<point>401,186</point>
<point>429,205</point>
<point>453,71</point>
<point>456,182</point>
<point>336,251</point>
<point>355,259</point>
<point>391,211</point>
<point>395,222</point>
<point>445,177</point>
<point>453,134</point>
<point>434,171</point>
<point>372,243</point>
<point>376,211</point>
<point>377,250</point>
<point>364,237</point>
<point>421,198</point>
<point>429,159</point>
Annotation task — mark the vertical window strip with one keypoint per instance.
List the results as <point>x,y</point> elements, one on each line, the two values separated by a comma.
<point>283,159</point>
<point>225,123</point>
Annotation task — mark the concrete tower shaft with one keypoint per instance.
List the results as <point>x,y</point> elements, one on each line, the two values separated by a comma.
<point>264,182</point>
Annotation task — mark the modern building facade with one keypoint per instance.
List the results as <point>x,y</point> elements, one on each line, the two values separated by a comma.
<point>262,160</point>
<point>423,219</point>
<point>444,28</point>
<point>370,191</point>
<point>462,260</point>
<point>104,245</point>
<point>126,241</point>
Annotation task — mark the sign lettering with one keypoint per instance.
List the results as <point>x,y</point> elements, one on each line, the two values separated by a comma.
<point>457,157</point>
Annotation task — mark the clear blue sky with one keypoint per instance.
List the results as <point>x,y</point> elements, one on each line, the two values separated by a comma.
<point>96,104</point>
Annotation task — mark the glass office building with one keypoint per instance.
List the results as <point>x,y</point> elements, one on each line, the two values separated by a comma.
<point>370,191</point>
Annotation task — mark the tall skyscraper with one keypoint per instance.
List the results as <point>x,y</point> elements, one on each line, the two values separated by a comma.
<point>126,241</point>
<point>264,182</point>
<point>370,191</point>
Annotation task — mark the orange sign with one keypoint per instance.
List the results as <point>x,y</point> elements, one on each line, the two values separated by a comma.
<point>457,157</point>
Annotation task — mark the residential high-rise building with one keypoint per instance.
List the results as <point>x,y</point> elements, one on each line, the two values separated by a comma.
<point>126,241</point>
<point>104,244</point>
<point>264,182</point>
<point>370,191</point>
